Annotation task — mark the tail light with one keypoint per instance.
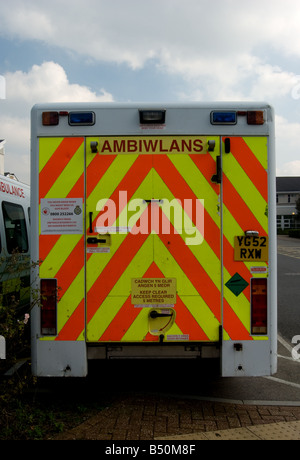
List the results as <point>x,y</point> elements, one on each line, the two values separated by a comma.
<point>50,118</point>
<point>255,117</point>
<point>259,306</point>
<point>48,306</point>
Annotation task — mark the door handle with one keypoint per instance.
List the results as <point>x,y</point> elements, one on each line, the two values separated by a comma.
<point>95,240</point>
<point>218,176</point>
<point>153,201</point>
<point>91,222</point>
<point>154,314</point>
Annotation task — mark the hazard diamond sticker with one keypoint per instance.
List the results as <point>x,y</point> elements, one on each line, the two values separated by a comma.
<point>237,284</point>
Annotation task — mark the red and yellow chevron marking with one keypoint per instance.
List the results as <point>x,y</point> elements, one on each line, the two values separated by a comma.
<point>110,314</point>
<point>61,162</point>
<point>105,312</point>
<point>245,207</point>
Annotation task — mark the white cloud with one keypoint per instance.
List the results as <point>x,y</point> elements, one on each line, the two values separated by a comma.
<point>45,83</point>
<point>292,168</point>
<point>135,31</point>
<point>221,50</point>
<point>48,83</point>
<point>273,82</point>
<point>287,147</point>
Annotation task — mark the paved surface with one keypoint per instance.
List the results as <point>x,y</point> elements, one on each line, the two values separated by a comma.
<point>152,417</point>
<point>217,415</point>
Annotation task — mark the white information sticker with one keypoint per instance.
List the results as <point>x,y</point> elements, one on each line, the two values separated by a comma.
<point>61,216</point>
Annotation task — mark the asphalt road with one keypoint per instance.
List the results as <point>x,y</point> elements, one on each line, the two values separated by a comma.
<point>288,287</point>
<point>203,382</point>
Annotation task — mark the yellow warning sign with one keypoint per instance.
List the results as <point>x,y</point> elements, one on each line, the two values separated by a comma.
<point>153,291</point>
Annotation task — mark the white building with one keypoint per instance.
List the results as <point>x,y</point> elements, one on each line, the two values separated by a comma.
<point>2,143</point>
<point>287,193</point>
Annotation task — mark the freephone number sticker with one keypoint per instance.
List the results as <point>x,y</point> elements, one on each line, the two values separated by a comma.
<point>61,216</point>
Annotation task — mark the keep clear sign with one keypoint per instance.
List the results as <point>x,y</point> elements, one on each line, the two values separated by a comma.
<point>146,292</point>
<point>61,216</point>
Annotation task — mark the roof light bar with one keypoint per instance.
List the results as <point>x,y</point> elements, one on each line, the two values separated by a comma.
<point>152,117</point>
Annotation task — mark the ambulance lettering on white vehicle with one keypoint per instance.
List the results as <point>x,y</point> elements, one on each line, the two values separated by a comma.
<point>14,247</point>
<point>155,228</point>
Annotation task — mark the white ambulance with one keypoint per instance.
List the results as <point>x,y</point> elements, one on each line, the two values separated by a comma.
<point>155,227</point>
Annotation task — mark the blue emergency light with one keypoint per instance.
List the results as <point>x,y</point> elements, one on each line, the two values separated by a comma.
<point>81,118</point>
<point>223,118</point>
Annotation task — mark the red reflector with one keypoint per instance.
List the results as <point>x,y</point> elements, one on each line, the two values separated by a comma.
<point>259,306</point>
<point>50,118</point>
<point>48,306</point>
<point>255,117</point>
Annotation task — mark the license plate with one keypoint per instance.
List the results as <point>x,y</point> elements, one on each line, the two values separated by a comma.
<point>251,248</point>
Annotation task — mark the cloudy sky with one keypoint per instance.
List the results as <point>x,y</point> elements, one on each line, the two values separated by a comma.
<point>143,51</point>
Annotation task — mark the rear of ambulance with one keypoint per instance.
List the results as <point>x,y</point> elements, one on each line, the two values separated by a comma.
<point>153,228</point>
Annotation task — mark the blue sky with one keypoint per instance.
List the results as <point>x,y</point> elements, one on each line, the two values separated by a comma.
<point>155,50</point>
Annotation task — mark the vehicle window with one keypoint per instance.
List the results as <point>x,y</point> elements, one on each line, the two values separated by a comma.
<point>15,227</point>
